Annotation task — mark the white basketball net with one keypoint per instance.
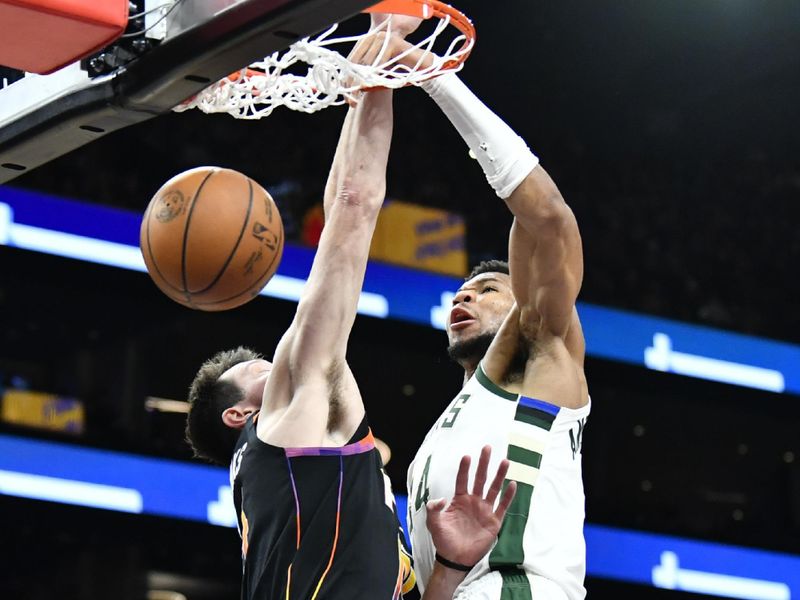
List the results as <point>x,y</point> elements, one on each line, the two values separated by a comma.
<point>331,79</point>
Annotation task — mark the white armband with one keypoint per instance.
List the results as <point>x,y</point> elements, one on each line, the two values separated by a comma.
<point>504,156</point>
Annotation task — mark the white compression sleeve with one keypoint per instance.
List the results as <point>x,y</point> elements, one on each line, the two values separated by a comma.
<point>504,156</point>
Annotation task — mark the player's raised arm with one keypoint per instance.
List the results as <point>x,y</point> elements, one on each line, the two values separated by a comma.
<point>310,378</point>
<point>353,196</point>
<point>545,255</point>
<point>310,367</point>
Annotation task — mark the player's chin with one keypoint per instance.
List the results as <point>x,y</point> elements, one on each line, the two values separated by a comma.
<point>469,346</point>
<point>456,336</point>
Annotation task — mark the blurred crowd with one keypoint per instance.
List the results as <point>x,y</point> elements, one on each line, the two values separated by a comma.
<point>712,243</point>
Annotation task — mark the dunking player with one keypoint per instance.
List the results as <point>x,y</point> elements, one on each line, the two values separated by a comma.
<point>315,509</point>
<point>515,331</point>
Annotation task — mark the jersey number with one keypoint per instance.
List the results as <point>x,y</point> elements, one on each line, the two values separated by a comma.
<point>421,497</point>
<point>452,414</point>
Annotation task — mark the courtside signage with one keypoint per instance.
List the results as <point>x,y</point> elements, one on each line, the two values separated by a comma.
<point>140,485</point>
<point>114,481</point>
<point>110,236</point>
<point>691,566</point>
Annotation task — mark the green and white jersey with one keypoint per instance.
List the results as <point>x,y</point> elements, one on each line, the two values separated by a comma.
<point>541,542</point>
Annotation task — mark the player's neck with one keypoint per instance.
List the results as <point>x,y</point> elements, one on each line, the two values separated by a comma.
<point>469,370</point>
<point>512,380</point>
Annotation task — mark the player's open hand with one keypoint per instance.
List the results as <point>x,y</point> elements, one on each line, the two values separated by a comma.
<point>387,39</point>
<point>386,46</point>
<point>465,530</point>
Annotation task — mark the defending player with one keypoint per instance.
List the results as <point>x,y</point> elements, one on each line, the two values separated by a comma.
<point>315,510</point>
<point>519,340</point>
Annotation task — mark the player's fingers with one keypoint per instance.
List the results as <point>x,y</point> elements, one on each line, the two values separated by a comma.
<point>360,55</point>
<point>434,509</point>
<point>481,471</point>
<point>463,476</point>
<point>366,49</point>
<point>363,52</point>
<point>436,505</point>
<point>506,499</point>
<point>379,50</point>
<point>497,482</point>
<point>358,51</point>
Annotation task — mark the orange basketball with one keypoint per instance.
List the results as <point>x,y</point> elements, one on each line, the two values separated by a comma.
<point>211,238</point>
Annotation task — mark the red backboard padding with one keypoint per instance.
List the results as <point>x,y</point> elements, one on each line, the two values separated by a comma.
<point>41,36</point>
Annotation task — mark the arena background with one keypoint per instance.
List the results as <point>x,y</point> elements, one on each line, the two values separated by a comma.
<point>671,129</point>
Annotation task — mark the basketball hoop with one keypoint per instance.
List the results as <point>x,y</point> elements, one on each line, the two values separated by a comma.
<point>331,80</point>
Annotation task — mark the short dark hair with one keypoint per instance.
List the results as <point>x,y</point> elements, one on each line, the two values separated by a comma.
<point>209,397</point>
<point>488,266</point>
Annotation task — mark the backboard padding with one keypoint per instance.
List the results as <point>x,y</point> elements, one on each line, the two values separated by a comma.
<point>159,80</point>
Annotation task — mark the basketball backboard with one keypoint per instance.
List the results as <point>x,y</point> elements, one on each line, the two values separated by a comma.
<point>43,117</point>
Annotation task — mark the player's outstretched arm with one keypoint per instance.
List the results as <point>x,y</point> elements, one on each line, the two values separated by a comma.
<point>310,367</point>
<point>354,194</point>
<point>545,256</point>
<point>545,252</point>
<point>464,530</point>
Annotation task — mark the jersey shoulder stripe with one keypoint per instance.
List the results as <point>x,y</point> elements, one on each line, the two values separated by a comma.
<point>528,440</point>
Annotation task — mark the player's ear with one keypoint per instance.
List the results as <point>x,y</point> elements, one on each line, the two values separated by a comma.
<point>235,416</point>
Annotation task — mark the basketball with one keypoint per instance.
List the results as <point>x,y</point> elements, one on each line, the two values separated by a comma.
<point>211,238</point>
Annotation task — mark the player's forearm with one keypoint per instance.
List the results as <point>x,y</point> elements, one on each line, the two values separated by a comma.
<point>328,305</point>
<point>503,155</point>
<point>358,174</point>
<point>354,194</point>
<point>509,165</point>
<point>443,583</point>
<point>544,249</point>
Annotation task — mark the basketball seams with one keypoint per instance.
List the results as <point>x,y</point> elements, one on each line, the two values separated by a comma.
<point>155,271</point>
<point>227,262</point>
<point>186,233</point>
<point>181,260</point>
<point>268,272</point>
<point>152,256</point>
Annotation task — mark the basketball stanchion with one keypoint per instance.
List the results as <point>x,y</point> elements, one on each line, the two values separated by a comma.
<point>331,79</point>
<point>211,238</point>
